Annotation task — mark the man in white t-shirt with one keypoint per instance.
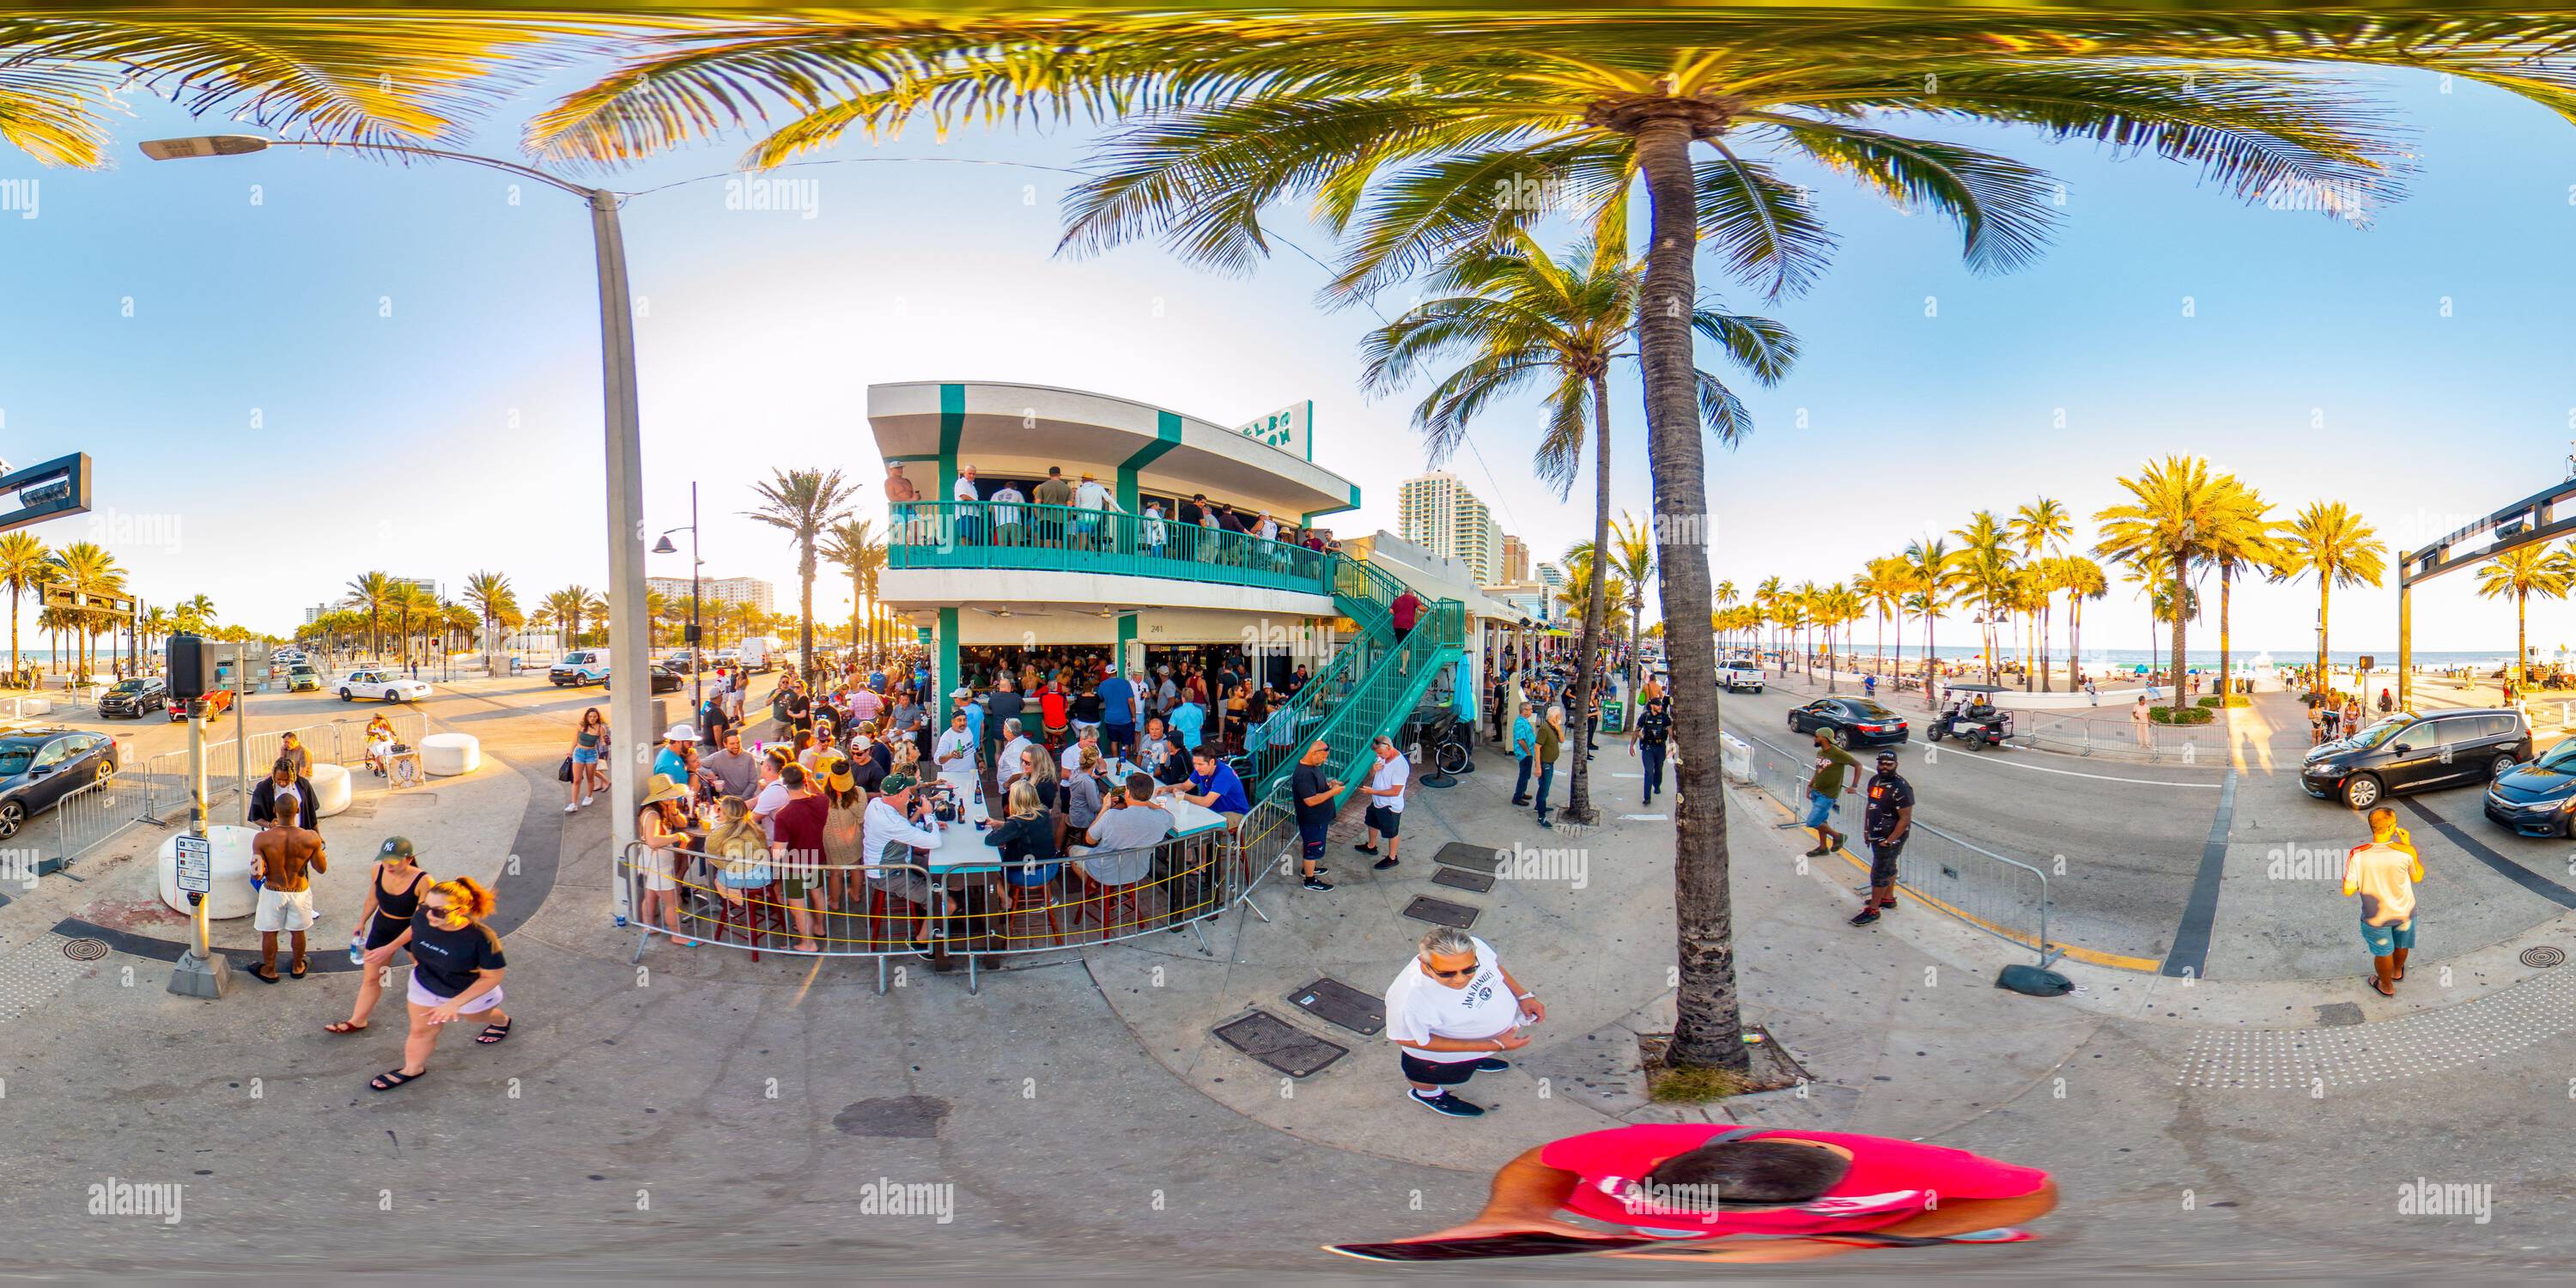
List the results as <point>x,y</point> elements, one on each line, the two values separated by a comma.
<point>970,518</point>
<point>1007,500</point>
<point>1452,1011</point>
<point>1007,766</point>
<point>955,750</point>
<point>1385,791</point>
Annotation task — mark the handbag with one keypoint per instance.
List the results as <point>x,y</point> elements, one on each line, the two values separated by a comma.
<point>564,773</point>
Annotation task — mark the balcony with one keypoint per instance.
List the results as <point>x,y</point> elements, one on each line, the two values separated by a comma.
<point>964,535</point>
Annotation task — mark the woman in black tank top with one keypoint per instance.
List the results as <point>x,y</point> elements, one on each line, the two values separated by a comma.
<point>395,884</point>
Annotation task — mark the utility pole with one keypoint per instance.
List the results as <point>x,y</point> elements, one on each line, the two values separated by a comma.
<point>200,971</point>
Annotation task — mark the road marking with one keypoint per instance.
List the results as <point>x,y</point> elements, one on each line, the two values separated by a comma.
<point>2070,773</point>
<point>2189,956</point>
<point>2504,867</point>
<point>1646,818</point>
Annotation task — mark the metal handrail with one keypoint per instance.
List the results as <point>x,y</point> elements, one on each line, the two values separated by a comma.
<point>950,535</point>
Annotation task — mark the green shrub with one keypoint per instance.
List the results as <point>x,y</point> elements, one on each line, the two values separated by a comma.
<point>2186,716</point>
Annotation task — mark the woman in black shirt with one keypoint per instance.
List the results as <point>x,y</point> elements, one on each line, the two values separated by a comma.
<point>456,971</point>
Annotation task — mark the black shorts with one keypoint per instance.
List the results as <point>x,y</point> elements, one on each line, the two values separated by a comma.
<point>1436,1073</point>
<point>384,930</point>
<point>1384,820</point>
<point>1882,862</point>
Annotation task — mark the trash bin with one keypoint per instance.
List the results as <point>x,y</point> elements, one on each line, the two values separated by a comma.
<point>1614,715</point>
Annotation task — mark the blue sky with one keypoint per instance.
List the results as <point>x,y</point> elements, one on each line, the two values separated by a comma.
<point>296,366</point>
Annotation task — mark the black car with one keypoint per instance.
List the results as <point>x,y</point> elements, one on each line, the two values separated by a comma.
<point>133,697</point>
<point>40,766</point>
<point>1853,722</point>
<point>665,680</point>
<point>2538,799</point>
<point>2405,753</point>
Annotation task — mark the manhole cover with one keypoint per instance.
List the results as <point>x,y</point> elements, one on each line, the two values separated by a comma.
<point>1333,1000</point>
<point>1279,1044</point>
<point>1441,912</point>
<point>90,950</point>
<point>898,1117</point>
<point>2544,955</point>
<point>1474,858</point>
<point>1461,879</point>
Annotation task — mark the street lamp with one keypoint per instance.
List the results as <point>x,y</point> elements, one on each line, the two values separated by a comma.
<point>697,658</point>
<point>630,706</point>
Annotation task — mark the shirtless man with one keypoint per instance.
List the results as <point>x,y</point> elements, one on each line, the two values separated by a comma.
<point>284,858</point>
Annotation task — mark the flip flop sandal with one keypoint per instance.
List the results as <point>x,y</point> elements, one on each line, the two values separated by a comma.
<point>296,972</point>
<point>343,1028</point>
<point>392,1078</point>
<point>266,978</point>
<point>2382,989</point>
<point>492,1034</point>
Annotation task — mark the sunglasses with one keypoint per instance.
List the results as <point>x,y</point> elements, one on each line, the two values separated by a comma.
<point>1448,974</point>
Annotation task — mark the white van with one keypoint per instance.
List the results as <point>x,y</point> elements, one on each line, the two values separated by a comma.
<point>579,667</point>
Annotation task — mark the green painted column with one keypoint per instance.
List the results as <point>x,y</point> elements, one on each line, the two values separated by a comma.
<point>1126,636</point>
<point>1167,435</point>
<point>949,668</point>
<point>952,427</point>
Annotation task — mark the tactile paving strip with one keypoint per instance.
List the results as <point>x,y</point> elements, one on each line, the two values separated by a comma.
<point>34,973</point>
<point>2409,1046</point>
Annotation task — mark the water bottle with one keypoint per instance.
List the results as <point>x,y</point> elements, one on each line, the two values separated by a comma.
<point>358,949</point>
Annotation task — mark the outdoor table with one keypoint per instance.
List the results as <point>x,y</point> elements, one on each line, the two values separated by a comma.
<point>1189,819</point>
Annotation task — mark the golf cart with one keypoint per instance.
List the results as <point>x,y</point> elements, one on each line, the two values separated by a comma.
<point>1972,717</point>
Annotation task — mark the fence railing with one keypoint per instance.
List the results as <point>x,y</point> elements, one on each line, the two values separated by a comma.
<point>2161,744</point>
<point>892,911</point>
<point>1063,538</point>
<point>85,818</point>
<point>160,786</point>
<point>2004,897</point>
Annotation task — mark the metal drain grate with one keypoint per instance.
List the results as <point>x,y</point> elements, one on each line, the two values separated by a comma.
<point>90,950</point>
<point>2544,956</point>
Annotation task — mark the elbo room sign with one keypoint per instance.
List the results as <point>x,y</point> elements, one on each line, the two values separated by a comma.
<point>1291,429</point>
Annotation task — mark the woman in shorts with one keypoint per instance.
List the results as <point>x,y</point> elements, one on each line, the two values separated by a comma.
<point>456,972</point>
<point>589,740</point>
<point>393,896</point>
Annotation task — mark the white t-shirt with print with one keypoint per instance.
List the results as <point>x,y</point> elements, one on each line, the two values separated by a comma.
<point>1419,1008</point>
<point>1390,772</point>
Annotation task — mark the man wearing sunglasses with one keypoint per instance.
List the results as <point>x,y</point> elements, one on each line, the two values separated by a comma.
<point>1452,1011</point>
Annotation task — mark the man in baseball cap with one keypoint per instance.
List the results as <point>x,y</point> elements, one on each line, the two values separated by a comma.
<point>671,761</point>
<point>1886,821</point>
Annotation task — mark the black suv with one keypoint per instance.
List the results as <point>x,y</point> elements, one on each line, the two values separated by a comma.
<point>2405,753</point>
<point>133,698</point>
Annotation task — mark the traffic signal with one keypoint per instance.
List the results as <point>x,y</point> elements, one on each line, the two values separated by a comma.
<point>192,666</point>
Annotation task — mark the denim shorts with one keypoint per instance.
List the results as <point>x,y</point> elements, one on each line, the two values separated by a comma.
<point>1819,806</point>
<point>2384,940</point>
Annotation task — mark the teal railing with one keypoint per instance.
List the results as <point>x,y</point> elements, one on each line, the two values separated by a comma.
<point>1060,538</point>
<point>1370,684</point>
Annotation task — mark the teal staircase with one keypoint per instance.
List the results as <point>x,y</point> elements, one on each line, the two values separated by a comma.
<point>1369,686</point>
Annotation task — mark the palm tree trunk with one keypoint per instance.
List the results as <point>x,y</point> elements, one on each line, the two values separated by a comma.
<point>1709,1018</point>
<point>1931,689</point>
<point>805,607</point>
<point>1596,607</point>
<point>2226,591</point>
<point>2521,643</point>
<point>2181,619</point>
<point>2074,641</point>
<point>2324,591</point>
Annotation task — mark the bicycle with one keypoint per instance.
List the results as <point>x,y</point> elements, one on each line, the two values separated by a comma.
<point>1445,746</point>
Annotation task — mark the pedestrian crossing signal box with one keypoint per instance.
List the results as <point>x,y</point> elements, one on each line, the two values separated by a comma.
<point>192,667</point>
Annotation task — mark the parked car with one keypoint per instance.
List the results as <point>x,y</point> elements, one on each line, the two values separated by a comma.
<point>218,701</point>
<point>132,697</point>
<point>579,667</point>
<point>2538,799</point>
<point>381,684</point>
<point>302,678</point>
<point>1853,722</point>
<point>665,680</point>
<point>1737,677</point>
<point>2406,753</point>
<point>39,767</point>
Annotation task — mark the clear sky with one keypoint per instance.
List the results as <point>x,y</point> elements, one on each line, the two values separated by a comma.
<point>294,367</point>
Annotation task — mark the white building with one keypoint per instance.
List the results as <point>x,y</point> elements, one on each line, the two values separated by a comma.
<point>719,590</point>
<point>1437,513</point>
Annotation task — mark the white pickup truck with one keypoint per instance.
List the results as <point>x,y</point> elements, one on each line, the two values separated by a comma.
<point>1736,677</point>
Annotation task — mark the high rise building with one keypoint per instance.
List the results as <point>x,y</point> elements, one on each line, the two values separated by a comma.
<point>1515,561</point>
<point>1551,576</point>
<point>1439,514</point>
<point>718,590</point>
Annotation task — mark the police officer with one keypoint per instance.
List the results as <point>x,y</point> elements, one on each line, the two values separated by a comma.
<point>1647,739</point>
<point>1886,821</point>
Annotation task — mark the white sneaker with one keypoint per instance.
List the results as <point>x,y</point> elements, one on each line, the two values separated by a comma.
<point>585,800</point>
<point>570,808</point>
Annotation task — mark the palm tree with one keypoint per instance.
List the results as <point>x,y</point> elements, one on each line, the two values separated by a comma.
<point>2241,538</point>
<point>2522,573</point>
<point>2174,506</point>
<point>406,603</point>
<point>1986,564</point>
<point>486,591</point>
<point>25,564</point>
<point>155,625</point>
<point>2331,542</point>
<point>853,548</point>
<point>2081,579</point>
<point>1515,315</point>
<point>1880,588</point>
<point>1767,597</point>
<point>2042,525</point>
<point>86,568</point>
<point>1423,133</point>
<point>1932,574</point>
<point>804,504</point>
<point>1632,559</point>
<point>372,593</point>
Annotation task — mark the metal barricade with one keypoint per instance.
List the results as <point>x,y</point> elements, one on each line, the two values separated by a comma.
<point>84,818</point>
<point>2165,745</point>
<point>897,911</point>
<point>2004,897</point>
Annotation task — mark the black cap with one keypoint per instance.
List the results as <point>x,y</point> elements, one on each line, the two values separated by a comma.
<point>1887,758</point>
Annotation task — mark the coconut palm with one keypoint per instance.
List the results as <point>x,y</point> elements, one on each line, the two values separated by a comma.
<point>2522,573</point>
<point>2241,539</point>
<point>1881,590</point>
<point>2042,526</point>
<point>2174,506</point>
<point>486,592</point>
<point>2328,541</point>
<point>409,603</point>
<point>1632,558</point>
<point>1932,577</point>
<point>1420,134</point>
<point>804,504</point>
<point>86,568</point>
<point>854,549</point>
<point>372,593</point>
<point>1511,315</point>
<point>26,564</point>
<point>1986,567</point>
<point>2081,579</point>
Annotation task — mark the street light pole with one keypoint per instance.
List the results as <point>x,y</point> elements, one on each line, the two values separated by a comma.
<point>629,707</point>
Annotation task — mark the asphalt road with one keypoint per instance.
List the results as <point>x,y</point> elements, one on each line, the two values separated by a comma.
<point>2128,845</point>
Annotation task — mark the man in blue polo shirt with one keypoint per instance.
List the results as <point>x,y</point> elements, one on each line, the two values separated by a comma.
<point>1118,715</point>
<point>1217,786</point>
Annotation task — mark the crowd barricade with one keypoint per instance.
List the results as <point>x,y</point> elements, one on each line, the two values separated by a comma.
<point>159,786</point>
<point>2004,897</point>
<point>909,912</point>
